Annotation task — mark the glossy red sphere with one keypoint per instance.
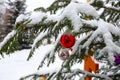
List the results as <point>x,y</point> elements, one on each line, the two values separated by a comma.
<point>67,40</point>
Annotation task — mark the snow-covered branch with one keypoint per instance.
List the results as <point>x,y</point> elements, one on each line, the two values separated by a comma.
<point>35,17</point>
<point>114,75</point>
<point>28,76</point>
<point>110,5</point>
<point>77,45</point>
<point>117,9</point>
<point>77,71</point>
<point>106,30</point>
<point>72,73</point>
<point>10,35</point>
<point>72,8</point>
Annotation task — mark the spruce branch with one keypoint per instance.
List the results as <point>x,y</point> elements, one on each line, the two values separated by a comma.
<point>72,73</point>
<point>37,42</point>
<point>32,75</point>
<point>114,75</point>
<point>76,71</point>
<point>101,4</point>
<point>116,9</point>
<point>10,42</point>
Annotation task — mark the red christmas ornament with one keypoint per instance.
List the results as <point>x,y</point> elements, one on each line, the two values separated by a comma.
<point>64,54</point>
<point>67,40</point>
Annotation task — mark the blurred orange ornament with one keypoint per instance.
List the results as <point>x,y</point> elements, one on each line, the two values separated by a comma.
<point>42,78</point>
<point>88,0</point>
<point>90,65</point>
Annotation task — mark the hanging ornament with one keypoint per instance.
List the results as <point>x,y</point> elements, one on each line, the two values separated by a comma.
<point>117,59</point>
<point>97,52</point>
<point>67,40</point>
<point>64,54</point>
<point>90,66</point>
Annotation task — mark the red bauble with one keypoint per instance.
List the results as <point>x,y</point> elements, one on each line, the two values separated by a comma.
<point>64,54</point>
<point>67,40</point>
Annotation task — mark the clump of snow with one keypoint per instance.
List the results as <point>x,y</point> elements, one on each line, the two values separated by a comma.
<point>52,17</point>
<point>74,9</point>
<point>93,23</point>
<point>35,17</point>
<point>21,17</point>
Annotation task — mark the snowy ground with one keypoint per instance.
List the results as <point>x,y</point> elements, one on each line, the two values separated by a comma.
<point>15,66</point>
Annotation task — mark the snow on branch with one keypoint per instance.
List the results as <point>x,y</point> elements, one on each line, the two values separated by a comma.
<point>112,8</point>
<point>78,71</point>
<point>114,75</point>
<point>36,41</point>
<point>10,35</point>
<point>53,52</point>
<point>73,8</point>
<point>106,30</point>
<point>35,17</point>
<point>39,37</point>
<point>72,73</point>
<point>109,5</point>
<point>113,72</point>
<point>55,44</point>
<point>77,45</point>
<point>49,55</point>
